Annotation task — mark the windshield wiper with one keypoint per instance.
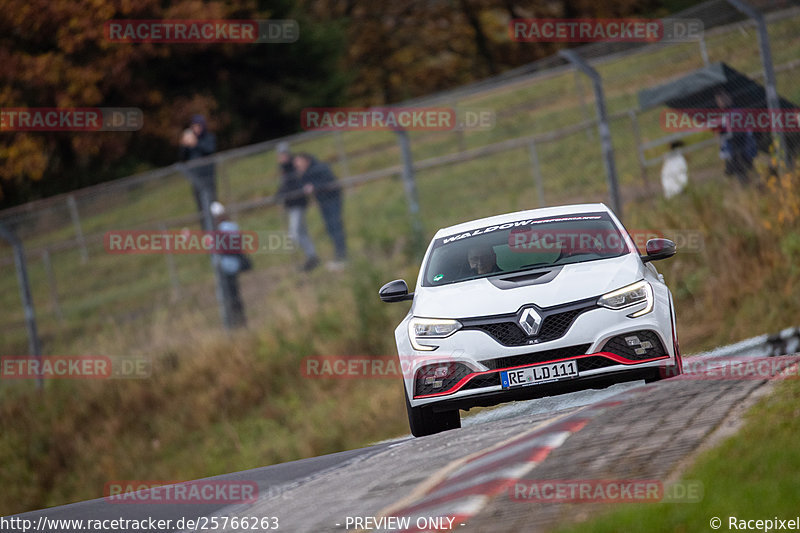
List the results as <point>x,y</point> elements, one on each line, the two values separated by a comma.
<point>532,265</point>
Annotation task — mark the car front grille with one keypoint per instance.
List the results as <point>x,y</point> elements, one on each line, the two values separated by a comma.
<point>536,357</point>
<point>594,362</point>
<point>506,333</point>
<point>555,324</point>
<point>483,380</point>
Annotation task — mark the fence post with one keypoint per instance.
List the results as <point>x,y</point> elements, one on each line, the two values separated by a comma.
<point>342,153</point>
<point>537,172</point>
<point>637,137</point>
<point>582,99</point>
<point>459,129</point>
<point>602,126</point>
<point>703,50</point>
<point>51,282</point>
<point>223,298</point>
<point>173,272</point>
<point>34,344</point>
<point>462,143</point>
<point>410,186</point>
<point>219,168</point>
<point>773,100</point>
<point>76,221</point>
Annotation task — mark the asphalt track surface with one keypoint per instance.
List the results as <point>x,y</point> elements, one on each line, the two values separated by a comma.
<point>628,431</point>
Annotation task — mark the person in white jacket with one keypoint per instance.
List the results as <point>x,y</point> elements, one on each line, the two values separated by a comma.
<point>675,171</point>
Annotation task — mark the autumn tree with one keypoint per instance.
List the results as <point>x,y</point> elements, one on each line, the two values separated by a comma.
<point>54,53</point>
<point>359,52</point>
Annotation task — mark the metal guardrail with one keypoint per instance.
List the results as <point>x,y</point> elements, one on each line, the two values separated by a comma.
<point>784,342</point>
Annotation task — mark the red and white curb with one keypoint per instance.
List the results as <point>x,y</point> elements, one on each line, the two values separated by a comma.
<point>463,491</point>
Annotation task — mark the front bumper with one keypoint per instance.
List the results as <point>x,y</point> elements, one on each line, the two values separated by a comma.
<point>494,396</point>
<point>608,347</point>
<point>625,349</point>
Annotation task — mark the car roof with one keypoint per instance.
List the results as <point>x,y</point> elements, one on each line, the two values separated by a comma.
<point>574,209</point>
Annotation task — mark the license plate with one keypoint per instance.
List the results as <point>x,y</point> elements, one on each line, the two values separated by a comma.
<point>536,375</point>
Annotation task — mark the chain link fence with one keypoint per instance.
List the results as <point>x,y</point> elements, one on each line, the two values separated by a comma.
<point>543,148</point>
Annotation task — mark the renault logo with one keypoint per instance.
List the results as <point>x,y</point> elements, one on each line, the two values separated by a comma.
<point>529,320</point>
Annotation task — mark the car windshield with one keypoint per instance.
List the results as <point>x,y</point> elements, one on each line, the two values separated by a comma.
<point>523,245</point>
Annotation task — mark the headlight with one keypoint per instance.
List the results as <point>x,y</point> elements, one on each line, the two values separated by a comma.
<point>637,293</point>
<point>430,328</point>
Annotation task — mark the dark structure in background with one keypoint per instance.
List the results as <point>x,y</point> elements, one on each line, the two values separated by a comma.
<point>698,90</point>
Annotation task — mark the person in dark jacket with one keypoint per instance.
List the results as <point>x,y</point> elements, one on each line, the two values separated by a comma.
<point>197,142</point>
<point>737,148</point>
<point>319,180</point>
<point>295,201</point>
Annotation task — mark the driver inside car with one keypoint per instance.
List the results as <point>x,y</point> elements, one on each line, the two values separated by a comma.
<point>482,259</point>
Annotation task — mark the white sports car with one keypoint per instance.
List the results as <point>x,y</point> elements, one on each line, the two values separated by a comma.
<point>531,304</point>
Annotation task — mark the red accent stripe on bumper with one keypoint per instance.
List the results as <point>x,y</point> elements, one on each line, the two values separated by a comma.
<point>608,355</point>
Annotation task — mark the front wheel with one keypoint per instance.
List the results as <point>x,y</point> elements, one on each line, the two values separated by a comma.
<point>424,421</point>
<point>664,372</point>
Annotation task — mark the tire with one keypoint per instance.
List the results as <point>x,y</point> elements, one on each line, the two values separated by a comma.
<point>677,368</point>
<point>424,421</point>
<point>666,372</point>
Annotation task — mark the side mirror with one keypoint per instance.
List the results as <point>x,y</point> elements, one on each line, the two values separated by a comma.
<point>659,249</point>
<point>395,291</point>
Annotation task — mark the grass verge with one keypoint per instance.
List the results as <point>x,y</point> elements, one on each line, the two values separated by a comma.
<point>750,476</point>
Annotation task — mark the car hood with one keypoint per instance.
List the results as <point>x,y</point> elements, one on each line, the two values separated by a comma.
<point>574,282</point>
